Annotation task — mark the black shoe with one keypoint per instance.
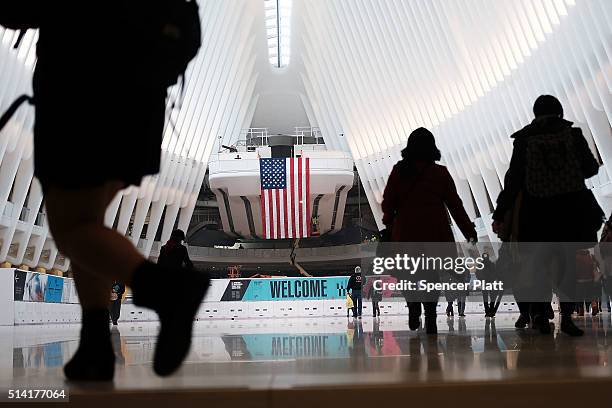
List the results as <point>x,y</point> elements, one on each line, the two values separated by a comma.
<point>521,322</point>
<point>414,322</point>
<point>431,326</point>
<point>176,314</point>
<point>541,323</point>
<point>449,311</point>
<point>568,327</point>
<point>94,360</point>
<point>115,323</point>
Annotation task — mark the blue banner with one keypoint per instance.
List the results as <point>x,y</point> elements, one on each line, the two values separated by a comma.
<point>54,289</point>
<point>296,289</point>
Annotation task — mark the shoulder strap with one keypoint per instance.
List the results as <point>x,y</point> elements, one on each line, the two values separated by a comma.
<point>22,33</point>
<point>13,108</point>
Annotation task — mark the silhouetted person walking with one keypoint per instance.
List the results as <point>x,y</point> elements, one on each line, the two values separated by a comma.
<point>117,291</point>
<point>100,87</point>
<point>174,254</point>
<point>417,198</point>
<point>354,286</point>
<point>544,188</point>
<point>376,296</point>
<point>490,298</point>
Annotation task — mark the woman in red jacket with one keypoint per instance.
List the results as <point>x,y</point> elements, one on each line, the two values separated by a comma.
<point>416,202</point>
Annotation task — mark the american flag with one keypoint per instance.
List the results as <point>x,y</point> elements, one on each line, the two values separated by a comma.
<point>285,189</point>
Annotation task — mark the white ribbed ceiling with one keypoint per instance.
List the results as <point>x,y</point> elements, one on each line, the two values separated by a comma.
<point>367,72</point>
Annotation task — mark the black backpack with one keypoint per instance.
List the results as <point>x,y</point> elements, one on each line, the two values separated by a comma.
<point>178,41</point>
<point>173,40</point>
<point>552,165</point>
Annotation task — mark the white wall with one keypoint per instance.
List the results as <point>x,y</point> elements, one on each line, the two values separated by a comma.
<point>7,310</point>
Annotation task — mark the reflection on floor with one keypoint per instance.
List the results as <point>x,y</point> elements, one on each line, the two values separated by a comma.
<point>299,354</point>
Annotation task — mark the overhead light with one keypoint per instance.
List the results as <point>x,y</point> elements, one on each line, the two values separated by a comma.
<point>278,31</point>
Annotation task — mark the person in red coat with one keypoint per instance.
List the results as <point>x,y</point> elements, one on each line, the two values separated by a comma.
<point>416,202</point>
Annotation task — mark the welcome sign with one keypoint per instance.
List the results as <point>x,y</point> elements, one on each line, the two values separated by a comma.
<point>286,289</point>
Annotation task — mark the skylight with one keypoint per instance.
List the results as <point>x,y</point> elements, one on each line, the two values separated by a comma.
<point>278,30</point>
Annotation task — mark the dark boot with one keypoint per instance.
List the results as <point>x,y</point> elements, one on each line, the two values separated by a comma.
<point>487,309</point>
<point>94,360</point>
<point>521,322</point>
<point>567,324</point>
<point>492,309</point>
<point>431,325</point>
<point>541,323</point>
<point>414,315</point>
<point>449,310</point>
<point>568,327</point>
<point>176,313</point>
<point>461,308</point>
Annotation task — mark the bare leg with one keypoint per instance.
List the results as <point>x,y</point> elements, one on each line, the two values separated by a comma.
<point>76,219</point>
<point>93,290</point>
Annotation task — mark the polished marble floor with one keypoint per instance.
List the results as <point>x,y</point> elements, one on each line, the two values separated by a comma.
<point>323,353</point>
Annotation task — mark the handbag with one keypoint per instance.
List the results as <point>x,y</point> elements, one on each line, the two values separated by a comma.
<point>349,302</point>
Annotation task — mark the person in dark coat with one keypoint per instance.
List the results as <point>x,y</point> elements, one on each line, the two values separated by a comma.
<point>376,296</point>
<point>568,217</point>
<point>416,202</point>
<point>100,103</point>
<point>174,254</point>
<point>117,291</point>
<point>354,286</point>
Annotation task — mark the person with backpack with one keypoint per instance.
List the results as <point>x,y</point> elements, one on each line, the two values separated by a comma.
<point>545,200</point>
<point>100,87</point>
<point>173,254</point>
<point>117,291</point>
<point>417,200</point>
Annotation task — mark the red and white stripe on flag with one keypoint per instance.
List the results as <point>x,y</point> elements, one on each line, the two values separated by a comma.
<point>285,210</point>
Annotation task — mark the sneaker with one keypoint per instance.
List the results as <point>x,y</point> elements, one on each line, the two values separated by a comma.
<point>431,326</point>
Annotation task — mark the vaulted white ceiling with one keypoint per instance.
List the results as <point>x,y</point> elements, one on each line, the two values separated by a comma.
<point>367,72</point>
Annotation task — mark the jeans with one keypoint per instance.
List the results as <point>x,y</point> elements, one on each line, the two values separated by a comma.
<point>375,308</point>
<point>357,302</point>
<point>115,310</point>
